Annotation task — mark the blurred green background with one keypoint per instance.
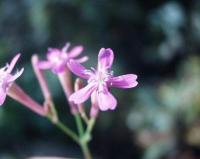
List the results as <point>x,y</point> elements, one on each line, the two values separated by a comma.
<point>157,39</point>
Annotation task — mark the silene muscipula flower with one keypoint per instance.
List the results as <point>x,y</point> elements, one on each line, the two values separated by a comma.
<point>57,58</point>
<point>7,79</point>
<point>100,80</point>
<point>10,88</point>
<point>57,62</point>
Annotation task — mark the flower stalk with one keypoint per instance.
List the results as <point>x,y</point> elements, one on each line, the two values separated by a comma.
<point>86,139</point>
<point>66,83</point>
<point>66,130</point>
<point>86,151</point>
<point>77,86</point>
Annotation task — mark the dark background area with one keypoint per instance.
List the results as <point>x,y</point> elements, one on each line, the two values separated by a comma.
<point>157,40</point>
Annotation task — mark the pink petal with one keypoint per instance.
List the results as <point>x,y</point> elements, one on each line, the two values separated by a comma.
<point>124,81</point>
<point>105,58</point>
<point>75,51</point>
<point>106,100</point>
<point>44,65</point>
<point>83,94</point>
<point>82,59</point>
<point>2,96</point>
<point>66,47</point>
<point>13,63</point>
<point>53,53</point>
<point>14,77</point>
<point>78,69</point>
<point>3,69</point>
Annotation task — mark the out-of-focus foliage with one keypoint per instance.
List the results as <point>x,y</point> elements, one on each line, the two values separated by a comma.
<point>157,40</point>
<point>168,111</point>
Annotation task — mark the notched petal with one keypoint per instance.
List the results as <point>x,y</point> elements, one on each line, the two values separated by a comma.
<point>124,81</point>
<point>105,58</point>
<point>106,100</point>
<point>83,94</point>
<point>78,69</point>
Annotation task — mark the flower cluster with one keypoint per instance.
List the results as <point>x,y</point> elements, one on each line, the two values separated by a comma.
<point>61,62</point>
<point>58,58</point>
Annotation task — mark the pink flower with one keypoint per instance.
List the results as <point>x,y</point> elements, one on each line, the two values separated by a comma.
<point>100,80</point>
<point>7,79</point>
<point>57,58</point>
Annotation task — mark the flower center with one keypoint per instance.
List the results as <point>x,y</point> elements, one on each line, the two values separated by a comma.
<point>100,77</point>
<point>58,57</point>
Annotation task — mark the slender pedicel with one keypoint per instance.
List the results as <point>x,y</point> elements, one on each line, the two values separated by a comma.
<point>77,86</point>
<point>66,83</point>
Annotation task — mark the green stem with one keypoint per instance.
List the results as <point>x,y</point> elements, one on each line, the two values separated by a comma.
<point>85,118</point>
<point>90,125</point>
<point>79,125</point>
<point>83,143</point>
<point>67,131</point>
<point>86,138</point>
<point>83,138</point>
<point>53,112</point>
<point>86,150</point>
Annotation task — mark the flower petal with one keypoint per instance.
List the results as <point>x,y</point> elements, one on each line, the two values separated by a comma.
<point>82,59</point>
<point>75,51</point>
<point>105,59</point>
<point>53,53</point>
<point>106,100</point>
<point>78,69</point>
<point>44,65</point>
<point>2,70</point>
<point>14,77</point>
<point>13,63</point>
<point>83,94</point>
<point>66,47</point>
<point>2,96</point>
<point>124,81</point>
